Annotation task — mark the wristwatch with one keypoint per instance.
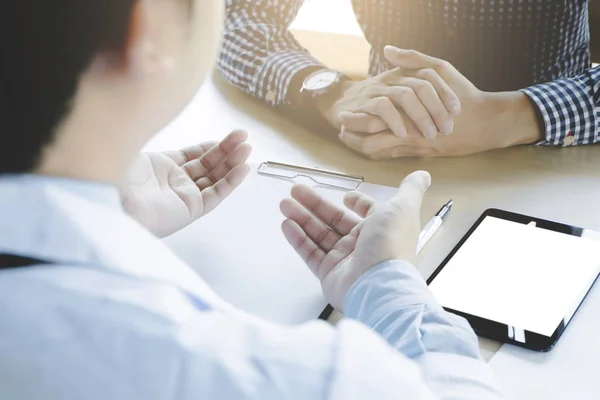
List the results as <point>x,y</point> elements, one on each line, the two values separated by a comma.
<point>321,83</point>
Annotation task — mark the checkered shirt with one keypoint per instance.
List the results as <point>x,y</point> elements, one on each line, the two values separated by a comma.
<point>538,46</point>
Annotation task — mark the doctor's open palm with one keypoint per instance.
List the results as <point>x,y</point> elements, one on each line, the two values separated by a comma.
<point>340,247</point>
<point>167,191</point>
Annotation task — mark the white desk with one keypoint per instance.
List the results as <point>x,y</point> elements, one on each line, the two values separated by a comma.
<point>557,184</point>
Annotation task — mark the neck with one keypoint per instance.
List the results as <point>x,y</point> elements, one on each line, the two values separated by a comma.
<point>96,161</point>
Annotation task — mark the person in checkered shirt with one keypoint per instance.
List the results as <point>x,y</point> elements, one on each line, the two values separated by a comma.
<point>447,77</point>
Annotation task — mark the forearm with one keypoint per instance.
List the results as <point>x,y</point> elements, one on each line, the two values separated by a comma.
<point>394,300</point>
<point>569,109</point>
<point>595,30</point>
<point>512,119</point>
<point>259,54</point>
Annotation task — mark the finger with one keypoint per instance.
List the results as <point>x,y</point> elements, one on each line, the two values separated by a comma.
<point>190,153</point>
<point>205,164</point>
<point>213,196</point>
<point>412,59</point>
<point>312,254</point>
<point>411,191</point>
<point>406,99</point>
<point>419,147</point>
<point>433,104</point>
<point>389,114</point>
<point>403,152</point>
<point>370,144</point>
<point>359,203</point>
<point>362,122</point>
<point>316,230</point>
<point>237,157</point>
<point>450,99</point>
<point>332,216</point>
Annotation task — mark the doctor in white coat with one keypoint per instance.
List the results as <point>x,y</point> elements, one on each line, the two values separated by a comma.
<point>94,306</point>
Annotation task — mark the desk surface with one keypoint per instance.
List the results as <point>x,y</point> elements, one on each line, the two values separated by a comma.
<point>558,184</point>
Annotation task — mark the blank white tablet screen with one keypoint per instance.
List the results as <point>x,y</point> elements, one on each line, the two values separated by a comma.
<point>519,275</point>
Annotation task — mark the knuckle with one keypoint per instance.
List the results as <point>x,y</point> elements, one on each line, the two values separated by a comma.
<point>338,217</point>
<point>383,103</point>
<point>404,93</point>
<point>443,66</point>
<point>428,74</point>
<point>376,157</point>
<point>408,200</point>
<point>387,76</point>
<point>425,152</point>
<point>424,120</point>
<point>442,115</point>
<point>351,121</point>
<point>423,87</point>
<point>371,156</point>
<point>396,209</point>
<point>374,126</point>
<point>365,147</point>
<point>369,208</point>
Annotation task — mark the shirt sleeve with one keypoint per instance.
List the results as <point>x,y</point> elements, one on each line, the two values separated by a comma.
<point>122,338</point>
<point>569,108</point>
<point>394,301</point>
<point>259,54</point>
<point>396,343</point>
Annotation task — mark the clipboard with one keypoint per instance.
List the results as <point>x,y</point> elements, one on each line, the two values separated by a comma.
<point>240,251</point>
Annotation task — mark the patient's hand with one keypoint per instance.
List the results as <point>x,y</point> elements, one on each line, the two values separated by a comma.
<point>167,191</point>
<point>487,120</point>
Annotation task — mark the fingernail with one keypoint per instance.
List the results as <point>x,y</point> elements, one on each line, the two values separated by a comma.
<point>431,132</point>
<point>455,107</point>
<point>448,127</point>
<point>401,132</point>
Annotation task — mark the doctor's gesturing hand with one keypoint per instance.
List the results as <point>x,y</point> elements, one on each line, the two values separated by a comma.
<point>167,191</point>
<point>339,247</point>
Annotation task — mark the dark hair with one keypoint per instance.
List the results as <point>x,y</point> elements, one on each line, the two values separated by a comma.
<point>45,46</point>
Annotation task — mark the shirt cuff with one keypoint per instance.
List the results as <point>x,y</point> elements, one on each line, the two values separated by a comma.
<point>387,288</point>
<point>567,110</point>
<point>277,72</point>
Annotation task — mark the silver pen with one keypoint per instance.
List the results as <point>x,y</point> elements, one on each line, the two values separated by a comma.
<point>433,225</point>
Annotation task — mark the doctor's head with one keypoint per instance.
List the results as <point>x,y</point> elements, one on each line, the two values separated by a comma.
<point>85,83</point>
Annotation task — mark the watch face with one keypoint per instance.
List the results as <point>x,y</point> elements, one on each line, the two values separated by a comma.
<point>320,80</point>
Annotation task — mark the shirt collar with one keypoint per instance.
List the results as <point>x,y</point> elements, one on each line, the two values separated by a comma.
<point>100,193</point>
<point>47,218</point>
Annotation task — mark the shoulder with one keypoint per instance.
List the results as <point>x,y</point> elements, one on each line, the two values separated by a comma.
<point>91,334</point>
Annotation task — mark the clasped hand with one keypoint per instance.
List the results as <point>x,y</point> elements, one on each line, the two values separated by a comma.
<point>425,107</point>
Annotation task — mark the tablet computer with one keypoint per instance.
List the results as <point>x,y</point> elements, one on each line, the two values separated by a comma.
<point>518,279</point>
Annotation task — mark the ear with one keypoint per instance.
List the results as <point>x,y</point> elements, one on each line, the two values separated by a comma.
<point>142,56</point>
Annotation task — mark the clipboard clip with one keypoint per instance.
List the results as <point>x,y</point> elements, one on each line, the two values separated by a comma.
<point>319,176</point>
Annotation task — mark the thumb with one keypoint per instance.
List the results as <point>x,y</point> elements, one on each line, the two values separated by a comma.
<point>392,231</point>
<point>412,190</point>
